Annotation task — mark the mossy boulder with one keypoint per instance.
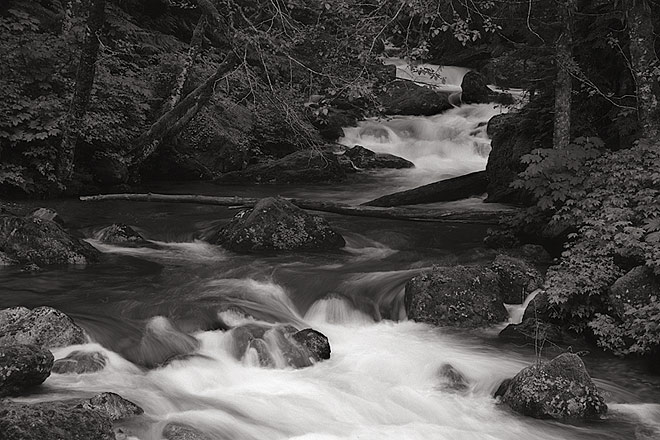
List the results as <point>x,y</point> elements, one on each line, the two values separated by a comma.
<point>638,287</point>
<point>457,296</point>
<point>363,158</point>
<point>34,240</point>
<point>42,326</point>
<point>120,233</point>
<point>80,362</point>
<point>407,98</point>
<point>517,278</point>
<point>23,367</point>
<point>114,406</point>
<point>180,431</point>
<point>275,224</point>
<point>559,389</point>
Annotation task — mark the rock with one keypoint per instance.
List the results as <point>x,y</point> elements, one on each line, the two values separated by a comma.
<point>161,343</point>
<point>638,287</point>
<point>6,260</point>
<point>511,139</point>
<point>108,168</point>
<point>315,342</point>
<point>459,296</point>
<point>114,406</point>
<point>452,379</point>
<point>275,224</point>
<point>80,362</point>
<point>23,367</point>
<point>43,326</point>
<point>42,242</point>
<point>364,158</point>
<point>501,389</point>
<point>48,214</point>
<point>446,190</point>
<point>533,331</point>
<point>475,88</point>
<point>407,98</point>
<point>119,233</point>
<point>517,278</point>
<point>560,389</point>
<point>304,166</point>
<point>179,431</point>
<point>70,420</point>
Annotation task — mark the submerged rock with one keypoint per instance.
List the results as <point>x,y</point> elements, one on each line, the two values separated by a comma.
<point>459,296</point>
<point>23,367</point>
<point>114,406</point>
<point>119,233</point>
<point>71,420</point>
<point>517,278</point>
<point>80,362</point>
<point>43,326</point>
<point>180,431</point>
<point>451,378</point>
<point>363,158</point>
<point>276,224</point>
<point>559,389</point>
<point>43,242</point>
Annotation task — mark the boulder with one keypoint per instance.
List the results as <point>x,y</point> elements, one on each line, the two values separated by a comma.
<point>511,139</point>
<point>458,296</point>
<point>53,421</point>
<point>363,158</point>
<point>160,343</point>
<point>43,326</point>
<point>638,287</point>
<point>476,91</point>
<point>304,166</point>
<point>559,389</point>
<point>23,367</point>
<point>517,278</point>
<point>80,362</point>
<point>456,188</point>
<point>119,233</point>
<point>451,379</point>
<point>275,224</point>
<point>315,342</point>
<point>180,431</point>
<point>407,98</point>
<point>43,242</point>
<point>48,214</point>
<point>114,406</point>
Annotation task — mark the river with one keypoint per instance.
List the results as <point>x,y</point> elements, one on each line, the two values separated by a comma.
<point>381,381</point>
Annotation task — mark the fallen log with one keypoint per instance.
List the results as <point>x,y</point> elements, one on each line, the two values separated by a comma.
<point>413,214</point>
<point>448,190</point>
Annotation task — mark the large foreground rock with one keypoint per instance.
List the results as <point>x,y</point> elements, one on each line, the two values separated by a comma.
<point>23,367</point>
<point>560,389</point>
<point>72,420</point>
<point>42,242</point>
<point>43,326</point>
<point>459,296</point>
<point>275,224</point>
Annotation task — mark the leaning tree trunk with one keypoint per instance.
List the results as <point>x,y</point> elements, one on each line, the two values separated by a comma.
<point>193,51</point>
<point>564,83</point>
<point>644,61</point>
<point>170,123</point>
<point>83,90</point>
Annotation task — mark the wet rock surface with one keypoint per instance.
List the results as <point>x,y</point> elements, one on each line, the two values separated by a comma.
<point>457,296</point>
<point>407,98</point>
<point>559,389</point>
<point>120,233</point>
<point>42,326</point>
<point>363,158</point>
<point>180,431</point>
<point>80,362</point>
<point>23,367</point>
<point>114,406</point>
<point>451,379</point>
<point>517,278</point>
<point>275,224</point>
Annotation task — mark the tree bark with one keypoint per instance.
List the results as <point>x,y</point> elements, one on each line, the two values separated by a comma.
<point>413,214</point>
<point>564,83</point>
<point>644,63</point>
<point>193,51</point>
<point>169,124</point>
<point>83,90</point>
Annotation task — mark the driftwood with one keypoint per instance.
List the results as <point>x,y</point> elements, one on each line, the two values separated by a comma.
<point>414,214</point>
<point>447,190</point>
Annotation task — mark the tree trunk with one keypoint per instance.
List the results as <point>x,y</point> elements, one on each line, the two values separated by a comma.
<point>564,83</point>
<point>170,122</point>
<point>83,90</point>
<point>67,20</point>
<point>644,61</point>
<point>414,214</point>
<point>193,51</point>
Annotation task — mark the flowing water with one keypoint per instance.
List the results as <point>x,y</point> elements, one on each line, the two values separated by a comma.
<point>382,379</point>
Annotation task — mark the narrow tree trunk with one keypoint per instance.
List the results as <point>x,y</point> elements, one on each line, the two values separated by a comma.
<point>564,82</point>
<point>67,20</point>
<point>414,214</point>
<point>83,90</point>
<point>169,124</point>
<point>193,51</point>
<point>644,61</point>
